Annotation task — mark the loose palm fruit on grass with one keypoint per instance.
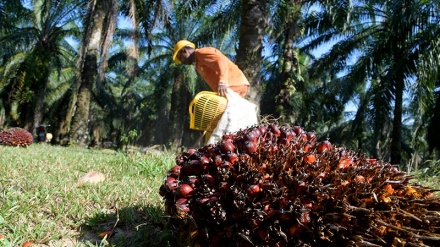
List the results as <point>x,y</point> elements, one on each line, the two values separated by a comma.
<point>28,243</point>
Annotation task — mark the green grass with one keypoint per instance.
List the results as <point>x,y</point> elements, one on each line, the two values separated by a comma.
<point>40,200</point>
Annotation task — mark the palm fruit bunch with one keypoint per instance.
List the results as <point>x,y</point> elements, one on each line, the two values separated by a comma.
<point>16,137</point>
<point>273,185</point>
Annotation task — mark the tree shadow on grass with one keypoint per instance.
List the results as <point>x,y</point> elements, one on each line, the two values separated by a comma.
<point>133,226</point>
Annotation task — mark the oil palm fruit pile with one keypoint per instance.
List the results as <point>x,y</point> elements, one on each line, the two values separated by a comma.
<point>274,185</point>
<point>16,137</point>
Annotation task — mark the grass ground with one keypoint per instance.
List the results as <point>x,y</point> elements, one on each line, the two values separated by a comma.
<point>40,200</point>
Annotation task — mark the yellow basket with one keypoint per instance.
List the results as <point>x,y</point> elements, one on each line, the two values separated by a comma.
<point>205,110</point>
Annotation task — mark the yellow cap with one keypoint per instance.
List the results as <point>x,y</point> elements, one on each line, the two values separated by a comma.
<point>179,45</point>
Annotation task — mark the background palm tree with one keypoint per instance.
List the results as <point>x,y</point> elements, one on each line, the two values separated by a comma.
<point>99,24</point>
<point>31,51</point>
<point>381,42</point>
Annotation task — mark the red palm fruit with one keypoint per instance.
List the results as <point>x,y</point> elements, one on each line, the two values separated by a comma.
<point>196,169</point>
<point>218,160</point>
<point>309,159</point>
<point>208,179</point>
<point>193,181</point>
<point>252,136</point>
<point>190,154</point>
<point>429,194</point>
<point>203,200</point>
<point>301,187</point>
<point>226,164</point>
<point>28,243</point>
<point>174,172</point>
<point>254,189</point>
<point>307,147</point>
<point>257,131</point>
<point>205,163</point>
<point>108,234</point>
<point>180,159</point>
<point>304,136</point>
<point>284,142</point>
<point>344,163</point>
<point>185,191</point>
<point>250,148</point>
<point>183,205</point>
<point>388,189</point>
<point>227,146</point>
<point>324,146</point>
<point>311,136</point>
<point>191,151</point>
<point>269,135</point>
<point>171,183</point>
<point>185,170</point>
<point>274,129</point>
<point>266,207</point>
<point>262,129</point>
<point>372,161</point>
<point>287,133</point>
<point>204,160</point>
<point>231,157</point>
<point>297,130</point>
<point>227,136</point>
<point>244,158</point>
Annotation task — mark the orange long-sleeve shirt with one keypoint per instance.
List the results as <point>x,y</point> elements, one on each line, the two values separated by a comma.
<point>214,67</point>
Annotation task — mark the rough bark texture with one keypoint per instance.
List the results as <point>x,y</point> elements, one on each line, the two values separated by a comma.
<point>289,63</point>
<point>251,44</point>
<point>433,135</point>
<point>80,132</point>
<point>396,134</point>
<point>179,108</point>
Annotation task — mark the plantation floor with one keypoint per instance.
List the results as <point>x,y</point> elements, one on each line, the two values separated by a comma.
<point>41,201</point>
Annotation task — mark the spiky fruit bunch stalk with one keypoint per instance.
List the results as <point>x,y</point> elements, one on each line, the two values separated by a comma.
<point>16,137</point>
<point>277,186</point>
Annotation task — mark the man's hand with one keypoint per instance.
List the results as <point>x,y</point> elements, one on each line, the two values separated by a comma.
<point>222,87</point>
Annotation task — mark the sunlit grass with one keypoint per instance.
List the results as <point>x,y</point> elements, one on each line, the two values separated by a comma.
<point>40,199</point>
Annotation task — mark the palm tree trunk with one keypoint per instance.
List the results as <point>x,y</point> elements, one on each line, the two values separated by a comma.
<point>80,130</point>
<point>178,111</point>
<point>39,108</point>
<point>396,134</point>
<point>289,62</point>
<point>251,44</point>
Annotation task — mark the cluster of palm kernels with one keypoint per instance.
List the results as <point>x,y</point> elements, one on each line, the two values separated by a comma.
<point>16,137</point>
<point>277,186</point>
